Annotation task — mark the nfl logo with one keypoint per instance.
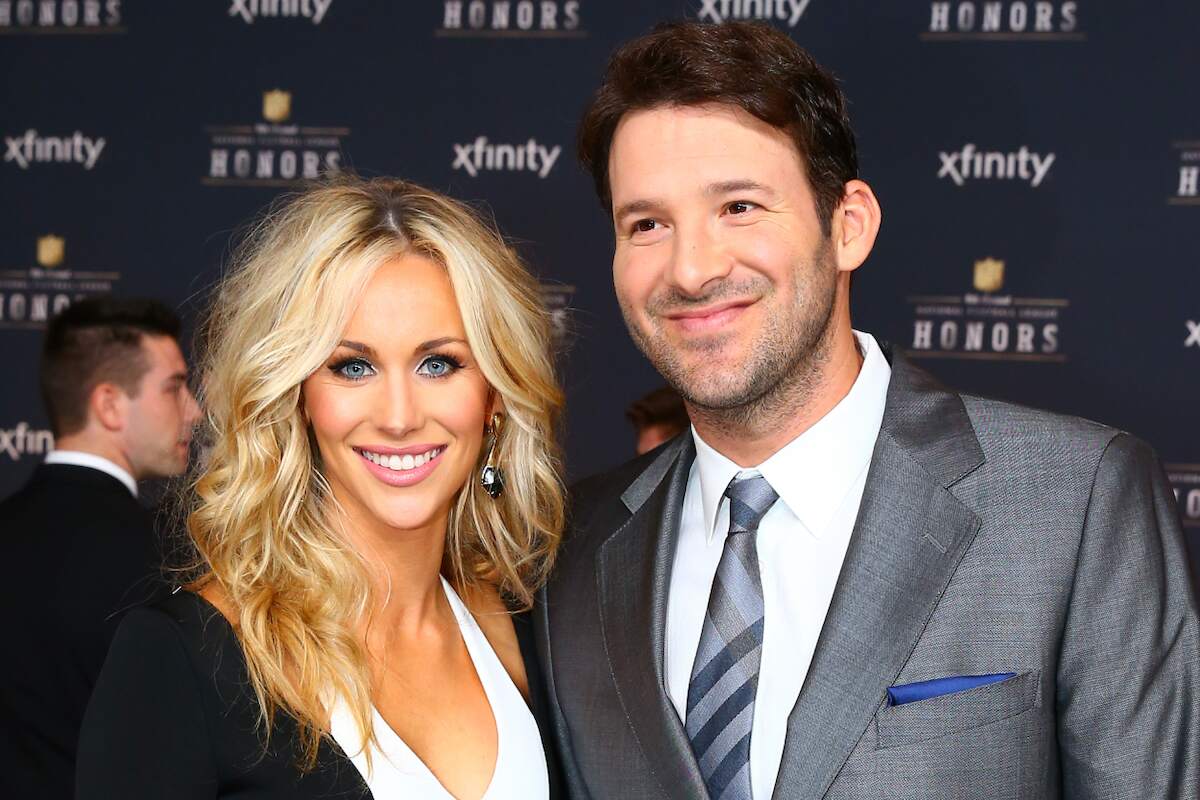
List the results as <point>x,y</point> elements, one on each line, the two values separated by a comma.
<point>277,105</point>
<point>989,275</point>
<point>51,250</point>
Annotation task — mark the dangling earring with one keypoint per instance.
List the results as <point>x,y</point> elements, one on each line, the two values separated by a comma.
<point>491,478</point>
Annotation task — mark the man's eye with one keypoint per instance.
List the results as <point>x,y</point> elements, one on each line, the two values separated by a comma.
<point>645,225</point>
<point>739,207</point>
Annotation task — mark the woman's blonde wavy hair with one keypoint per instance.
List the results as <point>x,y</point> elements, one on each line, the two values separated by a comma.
<point>262,521</point>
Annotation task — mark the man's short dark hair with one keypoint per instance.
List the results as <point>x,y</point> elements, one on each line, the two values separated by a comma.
<point>662,406</point>
<point>748,65</point>
<point>97,340</point>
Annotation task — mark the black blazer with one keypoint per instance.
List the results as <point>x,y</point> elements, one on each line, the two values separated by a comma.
<point>173,717</point>
<point>77,550</point>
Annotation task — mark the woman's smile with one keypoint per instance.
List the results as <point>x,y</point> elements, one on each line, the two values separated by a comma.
<point>403,467</point>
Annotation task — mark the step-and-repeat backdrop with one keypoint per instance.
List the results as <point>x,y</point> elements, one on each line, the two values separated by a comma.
<point>1038,165</point>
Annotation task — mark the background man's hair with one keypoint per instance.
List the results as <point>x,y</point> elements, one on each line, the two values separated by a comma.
<point>663,406</point>
<point>93,341</point>
<point>748,65</point>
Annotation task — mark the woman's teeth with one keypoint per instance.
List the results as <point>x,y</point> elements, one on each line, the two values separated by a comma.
<point>400,463</point>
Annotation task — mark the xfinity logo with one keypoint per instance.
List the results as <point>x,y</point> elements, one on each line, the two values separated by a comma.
<point>34,149</point>
<point>483,155</point>
<point>248,10</point>
<point>1193,337</point>
<point>969,163</point>
<point>781,10</point>
<point>23,440</point>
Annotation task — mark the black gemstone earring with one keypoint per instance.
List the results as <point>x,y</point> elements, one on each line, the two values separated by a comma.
<point>490,477</point>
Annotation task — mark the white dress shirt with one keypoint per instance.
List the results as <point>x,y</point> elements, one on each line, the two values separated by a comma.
<point>819,476</point>
<point>80,459</point>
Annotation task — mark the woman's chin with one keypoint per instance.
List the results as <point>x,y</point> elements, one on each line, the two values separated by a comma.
<point>409,517</point>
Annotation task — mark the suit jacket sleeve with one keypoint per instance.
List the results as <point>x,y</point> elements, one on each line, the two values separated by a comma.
<point>1129,667</point>
<point>144,734</point>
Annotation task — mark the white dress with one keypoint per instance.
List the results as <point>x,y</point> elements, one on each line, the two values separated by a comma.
<point>397,772</point>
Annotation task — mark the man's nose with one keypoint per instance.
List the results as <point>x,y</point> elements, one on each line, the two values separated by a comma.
<point>191,409</point>
<point>697,258</point>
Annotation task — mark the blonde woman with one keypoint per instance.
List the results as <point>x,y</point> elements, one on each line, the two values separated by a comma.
<point>381,490</point>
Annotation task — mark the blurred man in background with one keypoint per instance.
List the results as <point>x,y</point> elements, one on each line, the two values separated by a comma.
<point>657,417</point>
<point>78,546</point>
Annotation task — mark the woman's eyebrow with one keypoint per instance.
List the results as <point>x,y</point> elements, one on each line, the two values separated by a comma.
<point>434,344</point>
<point>357,347</point>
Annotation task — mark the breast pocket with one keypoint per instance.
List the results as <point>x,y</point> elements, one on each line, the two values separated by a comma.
<point>958,711</point>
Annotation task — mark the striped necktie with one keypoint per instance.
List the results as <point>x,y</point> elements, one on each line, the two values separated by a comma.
<point>720,701</point>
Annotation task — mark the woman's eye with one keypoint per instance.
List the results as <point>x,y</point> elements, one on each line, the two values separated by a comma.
<point>739,207</point>
<point>354,369</point>
<point>438,366</point>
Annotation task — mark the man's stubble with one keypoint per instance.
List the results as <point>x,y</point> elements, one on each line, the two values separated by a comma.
<point>781,372</point>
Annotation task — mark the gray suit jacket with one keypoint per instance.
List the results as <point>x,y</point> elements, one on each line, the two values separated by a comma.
<point>991,538</point>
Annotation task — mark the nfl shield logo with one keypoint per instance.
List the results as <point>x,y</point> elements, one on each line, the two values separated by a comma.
<point>51,250</point>
<point>277,105</point>
<point>989,275</point>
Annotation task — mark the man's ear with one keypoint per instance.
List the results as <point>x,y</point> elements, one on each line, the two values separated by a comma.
<point>856,222</point>
<point>109,405</point>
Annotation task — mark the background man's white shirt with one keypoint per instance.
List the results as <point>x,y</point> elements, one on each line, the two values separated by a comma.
<point>81,459</point>
<point>819,476</point>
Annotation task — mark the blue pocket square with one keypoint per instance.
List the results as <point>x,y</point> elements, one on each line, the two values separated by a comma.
<point>923,690</point>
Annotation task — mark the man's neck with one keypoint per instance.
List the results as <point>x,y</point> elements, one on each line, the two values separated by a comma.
<point>749,436</point>
<point>85,442</point>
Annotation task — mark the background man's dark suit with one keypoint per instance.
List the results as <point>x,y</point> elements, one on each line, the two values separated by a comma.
<point>991,538</point>
<point>77,550</point>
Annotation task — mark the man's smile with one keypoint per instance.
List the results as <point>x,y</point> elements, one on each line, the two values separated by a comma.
<point>710,318</point>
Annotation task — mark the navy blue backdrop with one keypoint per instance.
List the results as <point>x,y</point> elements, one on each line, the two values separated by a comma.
<point>1037,163</point>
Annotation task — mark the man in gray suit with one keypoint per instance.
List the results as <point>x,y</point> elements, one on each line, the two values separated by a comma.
<point>847,581</point>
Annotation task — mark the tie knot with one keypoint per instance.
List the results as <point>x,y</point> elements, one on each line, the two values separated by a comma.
<point>749,500</point>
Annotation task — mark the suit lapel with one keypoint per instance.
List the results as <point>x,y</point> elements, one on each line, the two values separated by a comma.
<point>910,535</point>
<point>633,572</point>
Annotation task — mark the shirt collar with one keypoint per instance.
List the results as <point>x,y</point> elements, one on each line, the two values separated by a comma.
<point>813,472</point>
<point>80,459</point>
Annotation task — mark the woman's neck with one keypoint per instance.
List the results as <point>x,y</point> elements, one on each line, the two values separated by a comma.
<point>404,568</point>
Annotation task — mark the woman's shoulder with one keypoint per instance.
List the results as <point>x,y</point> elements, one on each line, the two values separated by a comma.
<point>184,607</point>
<point>182,622</point>
<point>173,715</point>
<point>194,616</point>
<point>178,662</point>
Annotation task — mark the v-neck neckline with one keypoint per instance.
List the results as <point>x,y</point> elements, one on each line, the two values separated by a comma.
<point>392,746</point>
